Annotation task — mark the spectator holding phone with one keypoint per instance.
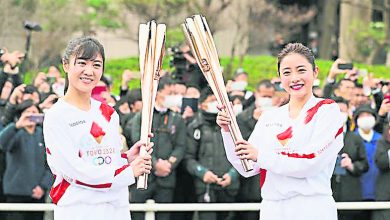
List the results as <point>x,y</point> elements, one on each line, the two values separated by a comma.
<point>383,113</point>
<point>5,93</point>
<point>216,180</point>
<point>365,118</point>
<point>343,88</point>
<point>13,59</point>
<point>19,95</point>
<point>350,165</point>
<point>26,176</point>
<point>190,103</point>
<point>382,160</point>
<point>134,101</point>
<point>184,191</point>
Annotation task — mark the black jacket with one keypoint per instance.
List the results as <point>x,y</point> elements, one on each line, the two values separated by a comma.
<point>26,165</point>
<point>205,151</point>
<point>348,187</point>
<point>383,163</point>
<point>169,140</point>
<point>249,187</point>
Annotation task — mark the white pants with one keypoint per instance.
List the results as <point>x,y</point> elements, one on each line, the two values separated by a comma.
<point>299,208</point>
<point>104,211</point>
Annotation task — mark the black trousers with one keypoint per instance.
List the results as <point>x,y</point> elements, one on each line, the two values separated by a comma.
<point>249,192</point>
<point>159,194</point>
<point>184,192</point>
<point>216,196</point>
<point>351,215</point>
<point>24,215</point>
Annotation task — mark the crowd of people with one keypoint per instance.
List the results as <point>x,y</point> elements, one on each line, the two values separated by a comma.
<point>189,160</point>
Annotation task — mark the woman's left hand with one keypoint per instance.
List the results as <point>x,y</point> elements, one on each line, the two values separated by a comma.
<point>244,150</point>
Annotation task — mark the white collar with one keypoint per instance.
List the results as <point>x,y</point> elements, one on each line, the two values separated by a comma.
<point>160,109</point>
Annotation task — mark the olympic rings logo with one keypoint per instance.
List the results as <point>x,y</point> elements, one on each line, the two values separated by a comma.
<point>101,160</point>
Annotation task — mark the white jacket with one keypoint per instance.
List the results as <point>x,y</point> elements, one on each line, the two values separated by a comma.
<point>83,152</point>
<point>295,156</point>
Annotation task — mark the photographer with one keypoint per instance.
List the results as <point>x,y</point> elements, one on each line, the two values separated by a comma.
<point>5,93</point>
<point>381,93</point>
<point>186,68</point>
<point>343,88</point>
<point>351,164</point>
<point>26,176</point>
<point>13,58</point>
<point>382,160</point>
<point>20,94</point>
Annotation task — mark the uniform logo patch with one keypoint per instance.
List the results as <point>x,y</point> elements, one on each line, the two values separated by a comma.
<point>97,132</point>
<point>197,134</point>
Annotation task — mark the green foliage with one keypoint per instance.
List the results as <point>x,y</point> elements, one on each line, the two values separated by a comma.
<point>368,37</point>
<point>103,14</point>
<point>258,68</point>
<point>174,37</point>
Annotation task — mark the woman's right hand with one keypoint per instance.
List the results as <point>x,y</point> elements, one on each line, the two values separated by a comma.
<point>141,164</point>
<point>222,119</point>
<point>244,150</point>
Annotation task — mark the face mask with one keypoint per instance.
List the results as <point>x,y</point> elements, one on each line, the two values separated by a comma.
<point>239,85</point>
<point>212,107</point>
<point>264,102</point>
<point>366,123</point>
<point>173,101</point>
<point>345,116</point>
<point>237,108</point>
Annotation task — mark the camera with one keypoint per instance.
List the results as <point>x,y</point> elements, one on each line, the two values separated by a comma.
<point>32,26</point>
<point>345,66</point>
<point>37,118</point>
<point>178,61</point>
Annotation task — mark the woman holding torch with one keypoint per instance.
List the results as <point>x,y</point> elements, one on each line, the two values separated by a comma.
<point>83,144</point>
<point>294,147</point>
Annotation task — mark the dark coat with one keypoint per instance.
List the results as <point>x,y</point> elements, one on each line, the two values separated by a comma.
<point>382,162</point>
<point>348,187</point>
<point>26,165</point>
<point>169,140</point>
<point>249,187</point>
<point>205,151</point>
<point>383,180</point>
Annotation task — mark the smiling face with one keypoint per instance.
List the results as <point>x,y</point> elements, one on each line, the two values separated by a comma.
<point>84,74</point>
<point>297,76</point>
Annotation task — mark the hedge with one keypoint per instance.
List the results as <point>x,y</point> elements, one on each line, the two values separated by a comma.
<point>258,67</point>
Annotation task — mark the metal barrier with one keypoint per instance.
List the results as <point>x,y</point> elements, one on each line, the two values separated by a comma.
<point>150,207</point>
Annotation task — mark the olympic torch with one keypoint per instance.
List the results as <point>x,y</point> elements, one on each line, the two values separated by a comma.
<point>202,45</point>
<point>151,49</point>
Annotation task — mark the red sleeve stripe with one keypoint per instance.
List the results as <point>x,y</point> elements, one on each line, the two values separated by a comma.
<point>296,155</point>
<point>48,151</point>
<point>58,191</point>
<point>312,155</point>
<point>97,186</point>
<point>123,155</point>
<point>311,112</point>
<point>118,171</point>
